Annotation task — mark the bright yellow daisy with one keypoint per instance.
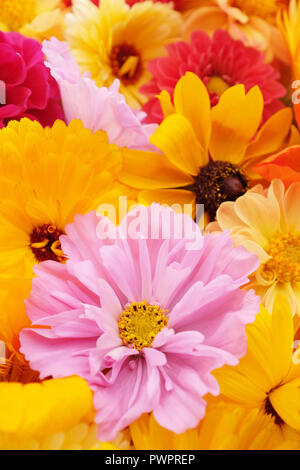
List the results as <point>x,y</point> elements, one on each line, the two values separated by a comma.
<point>39,19</point>
<point>207,154</point>
<point>268,376</point>
<point>226,426</point>
<point>267,223</point>
<point>116,41</point>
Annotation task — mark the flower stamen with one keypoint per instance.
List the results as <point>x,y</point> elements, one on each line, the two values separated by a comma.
<point>284,264</point>
<point>45,244</point>
<point>126,63</point>
<point>140,323</point>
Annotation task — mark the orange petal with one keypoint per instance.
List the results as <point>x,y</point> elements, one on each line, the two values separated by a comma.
<point>285,165</point>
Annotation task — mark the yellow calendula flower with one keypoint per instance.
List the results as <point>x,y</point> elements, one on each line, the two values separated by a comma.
<point>268,377</point>
<point>207,154</point>
<point>266,222</point>
<point>116,41</point>
<point>226,426</point>
<point>39,19</point>
<point>47,177</point>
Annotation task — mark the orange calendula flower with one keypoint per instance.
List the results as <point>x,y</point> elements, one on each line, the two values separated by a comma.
<point>252,21</point>
<point>285,165</point>
<point>208,154</point>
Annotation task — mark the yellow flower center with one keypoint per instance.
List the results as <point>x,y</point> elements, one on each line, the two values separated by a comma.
<point>16,13</point>
<point>284,266</point>
<point>45,244</point>
<point>139,324</point>
<point>217,85</point>
<point>266,9</point>
<point>126,63</point>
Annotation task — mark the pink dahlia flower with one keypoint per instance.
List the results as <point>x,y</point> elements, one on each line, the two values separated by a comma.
<point>98,108</point>
<point>220,62</point>
<point>143,320</point>
<point>27,88</point>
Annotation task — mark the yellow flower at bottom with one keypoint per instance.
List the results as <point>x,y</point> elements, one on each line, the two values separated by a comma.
<point>55,414</point>
<point>49,415</point>
<point>226,426</point>
<point>268,376</point>
<point>39,19</point>
<point>266,222</point>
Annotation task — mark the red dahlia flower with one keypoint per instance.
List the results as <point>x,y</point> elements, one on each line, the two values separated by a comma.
<point>220,62</point>
<point>27,88</point>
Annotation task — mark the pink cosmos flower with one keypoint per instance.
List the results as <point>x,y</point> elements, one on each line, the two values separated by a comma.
<point>143,319</point>
<point>98,108</point>
<point>220,62</point>
<point>27,88</point>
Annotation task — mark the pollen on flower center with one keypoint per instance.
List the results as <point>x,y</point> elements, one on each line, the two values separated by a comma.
<point>284,264</point>
<point>218,182</point>
<point>126,63</point>
<point>45,244</point>
<point>15,14</point>
<point>266,9</point>
<point>139,324</point>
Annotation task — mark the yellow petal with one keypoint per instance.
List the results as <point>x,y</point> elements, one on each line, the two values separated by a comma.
<point>38,409</point>
<point>147,170</point>
<point>286,402</point>
<point>176,138</point>
<point>180,200</point>
<point>236,118</point>
<point>271,135</point>
<point>192,100</point>
<point>166,103</point>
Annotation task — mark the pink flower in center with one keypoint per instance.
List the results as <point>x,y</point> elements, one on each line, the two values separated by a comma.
<point>143,316</point>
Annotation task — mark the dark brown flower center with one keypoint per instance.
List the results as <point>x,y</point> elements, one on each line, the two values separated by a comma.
<point>218,182</point>
<point>45,244</point>
<point>270,410</point>
<point>126,63</point>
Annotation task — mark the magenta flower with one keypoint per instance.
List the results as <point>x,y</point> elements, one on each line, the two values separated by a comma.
<point>97,108</point>
<point>144,320</point>
<point>220,62</point>
<point>27,88</point>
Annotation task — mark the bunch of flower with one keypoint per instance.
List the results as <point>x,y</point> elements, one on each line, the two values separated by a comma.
<point>149,224</point>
